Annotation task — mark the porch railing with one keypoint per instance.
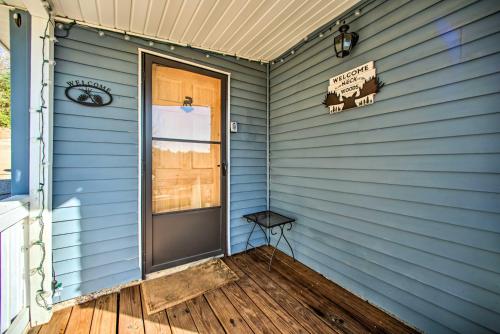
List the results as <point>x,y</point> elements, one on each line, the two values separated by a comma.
<point>14,215</point>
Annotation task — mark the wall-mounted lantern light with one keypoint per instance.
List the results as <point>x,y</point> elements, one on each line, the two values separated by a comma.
<point>344,41</point>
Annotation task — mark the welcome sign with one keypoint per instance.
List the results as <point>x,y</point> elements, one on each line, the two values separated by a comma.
<point>88,93</point>
<point>354,88</point>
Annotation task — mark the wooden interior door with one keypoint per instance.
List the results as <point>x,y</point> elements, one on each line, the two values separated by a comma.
<point>185,163</point>
<point>186,174</point>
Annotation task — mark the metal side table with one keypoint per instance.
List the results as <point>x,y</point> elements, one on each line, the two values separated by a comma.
<point>269,220</point>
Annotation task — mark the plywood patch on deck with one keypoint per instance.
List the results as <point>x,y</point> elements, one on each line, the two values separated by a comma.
<point>167,291</point>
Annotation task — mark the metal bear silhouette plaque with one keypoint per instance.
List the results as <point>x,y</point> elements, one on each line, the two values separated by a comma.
<point>354,88</point>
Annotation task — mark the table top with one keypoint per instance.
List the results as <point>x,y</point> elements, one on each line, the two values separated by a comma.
<point>268,218</point>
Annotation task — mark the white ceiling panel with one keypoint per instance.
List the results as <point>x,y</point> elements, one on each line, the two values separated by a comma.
<point>123,9</point>
<point>106,10</point>
<point>188,11</point>
<point>282,24</point>
<point>89,11</point>
<point>232,24</point>
<point>154,16</point>
<point>315,18</point>
<point>15,3</point>
<point>279,34</point>
<point>4,27</point>
<point>138,15</point>
<point>251,20</point>
<point>197,20</point>
<point>268,23</point>
<point>170,18</point>
<point>70,7</point>
<point>230,14</point>
<point>211,21</point>
<point>254,29</point>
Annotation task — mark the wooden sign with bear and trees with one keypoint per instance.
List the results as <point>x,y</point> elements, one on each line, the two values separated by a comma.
<point>354,88</point>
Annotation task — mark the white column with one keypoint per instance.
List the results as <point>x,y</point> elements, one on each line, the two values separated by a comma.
<point>41,94</point>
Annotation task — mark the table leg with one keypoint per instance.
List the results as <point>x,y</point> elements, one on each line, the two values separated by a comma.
<point>289,246</point>
<point>248,239</point>
<point>276,246</point>
<point>282,235</point>
<point>268,240</point>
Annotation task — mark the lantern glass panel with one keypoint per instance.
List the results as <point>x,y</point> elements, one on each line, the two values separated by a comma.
<point>347,42</point>
<point>338,44</point>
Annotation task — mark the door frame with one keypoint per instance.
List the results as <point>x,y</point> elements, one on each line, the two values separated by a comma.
<point>141,154</point>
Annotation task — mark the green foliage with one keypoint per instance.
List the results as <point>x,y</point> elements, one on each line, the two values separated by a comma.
<point>5,100</point>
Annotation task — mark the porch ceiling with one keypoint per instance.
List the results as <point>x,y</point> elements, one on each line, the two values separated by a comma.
<point>4,28</point>
<point>254,29</point>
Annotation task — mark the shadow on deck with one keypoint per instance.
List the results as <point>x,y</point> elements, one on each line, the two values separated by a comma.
<point>290,299</point>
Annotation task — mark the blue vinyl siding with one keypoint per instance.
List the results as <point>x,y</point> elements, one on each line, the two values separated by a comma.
<point>95,174</point>
<point>399,201</point>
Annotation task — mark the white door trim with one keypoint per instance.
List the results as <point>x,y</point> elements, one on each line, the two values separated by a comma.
<point>140,52</point>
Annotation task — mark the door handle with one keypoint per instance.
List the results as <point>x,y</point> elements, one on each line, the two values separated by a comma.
<point>224,169</point>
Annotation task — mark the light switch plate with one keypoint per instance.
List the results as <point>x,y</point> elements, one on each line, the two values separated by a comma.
<point>234,126</point>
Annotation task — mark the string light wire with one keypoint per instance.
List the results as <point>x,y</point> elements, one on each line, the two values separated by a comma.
<point>41,293</point>
<point>128,35</point>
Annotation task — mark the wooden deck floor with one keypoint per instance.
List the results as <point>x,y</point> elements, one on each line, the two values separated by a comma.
<point>290,299</point>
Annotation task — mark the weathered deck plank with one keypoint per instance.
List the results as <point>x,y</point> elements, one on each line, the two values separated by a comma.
<point>203,316</point>
<point>291,298</point>
<point>34,330</point>
<point>181,321</point>
<point>329,312</point>
<point>372,317</point>
<point>58,323</point>
<point>228,316</point>
<point>254,317</point>
<point>130,319</point>
<point>303,315</point>
<point>105,315</point>
<point>156,323</point>
<point>80,320</point>
<point>280,318</point>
